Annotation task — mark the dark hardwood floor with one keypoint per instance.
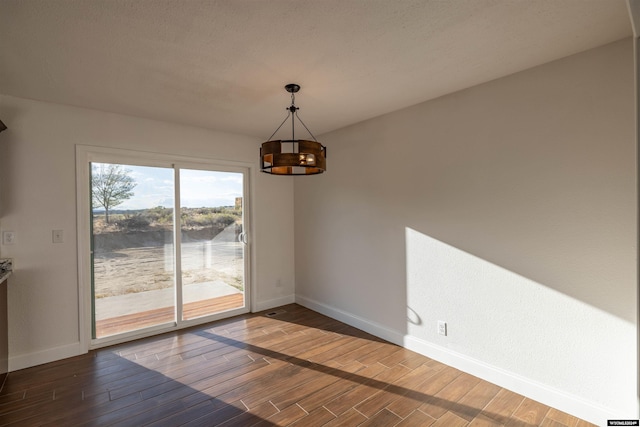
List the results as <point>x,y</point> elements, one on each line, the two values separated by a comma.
<point>295,368</point>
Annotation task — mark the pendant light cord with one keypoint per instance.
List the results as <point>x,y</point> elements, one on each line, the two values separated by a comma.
<point>285,119</point>
<point>305,126</point>
<point>293,110</point>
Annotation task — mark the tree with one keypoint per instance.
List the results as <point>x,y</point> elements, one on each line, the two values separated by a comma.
<point>110,186</point>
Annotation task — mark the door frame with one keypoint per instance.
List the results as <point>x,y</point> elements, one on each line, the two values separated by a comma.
<point>85,155</point>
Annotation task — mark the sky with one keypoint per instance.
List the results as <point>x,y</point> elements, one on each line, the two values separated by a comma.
<point>198,188</point>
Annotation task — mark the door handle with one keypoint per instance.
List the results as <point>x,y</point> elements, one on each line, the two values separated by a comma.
<point>242,238</point>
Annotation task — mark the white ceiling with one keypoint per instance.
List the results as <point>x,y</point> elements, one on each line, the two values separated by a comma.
<point>222,64</point>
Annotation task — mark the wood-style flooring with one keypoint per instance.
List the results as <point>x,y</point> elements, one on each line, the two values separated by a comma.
<point>292,368</point>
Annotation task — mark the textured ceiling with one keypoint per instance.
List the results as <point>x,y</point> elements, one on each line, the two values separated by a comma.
<point>222,64</point>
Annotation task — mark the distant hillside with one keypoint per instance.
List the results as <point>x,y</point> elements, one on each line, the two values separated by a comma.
<point>161,218</point>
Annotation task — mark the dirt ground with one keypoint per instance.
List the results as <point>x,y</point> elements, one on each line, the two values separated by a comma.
<point>134,270</point>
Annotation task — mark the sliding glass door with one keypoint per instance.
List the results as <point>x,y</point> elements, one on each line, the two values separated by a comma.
<point>168,246</point>
<point>212,247</point>
<point>133,247</point>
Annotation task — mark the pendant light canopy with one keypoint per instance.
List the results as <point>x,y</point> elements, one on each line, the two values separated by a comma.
<point>293,156</point>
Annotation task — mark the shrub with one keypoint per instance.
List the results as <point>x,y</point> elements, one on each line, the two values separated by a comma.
<point>209,220</point>
<point>137,222</point>
<point>159,214</point>
<point>223,220</point>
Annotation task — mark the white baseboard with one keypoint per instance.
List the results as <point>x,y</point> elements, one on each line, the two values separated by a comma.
<point>534,390</point>
<point>272,303</point>
<point>22,361</point>
<point>542,393</point>
<point>358,322</point>
<point>27,360</point>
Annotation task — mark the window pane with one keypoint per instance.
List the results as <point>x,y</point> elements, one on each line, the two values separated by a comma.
<point>133,268</point>
<point>211,215</point>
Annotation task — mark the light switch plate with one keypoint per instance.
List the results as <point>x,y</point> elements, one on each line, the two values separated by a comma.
<point>57,236</point>
<point>8,237</point>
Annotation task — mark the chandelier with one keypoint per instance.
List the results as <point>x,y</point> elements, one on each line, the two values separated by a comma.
<point>293,156</point>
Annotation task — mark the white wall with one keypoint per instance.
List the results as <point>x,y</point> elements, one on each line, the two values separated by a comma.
<point>37,186</point>
<point>507,210</point>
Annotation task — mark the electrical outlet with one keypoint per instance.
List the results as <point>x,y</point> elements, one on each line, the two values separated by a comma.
<point>8,237</point>
<point>442,327</point>
<point>57,236</point>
